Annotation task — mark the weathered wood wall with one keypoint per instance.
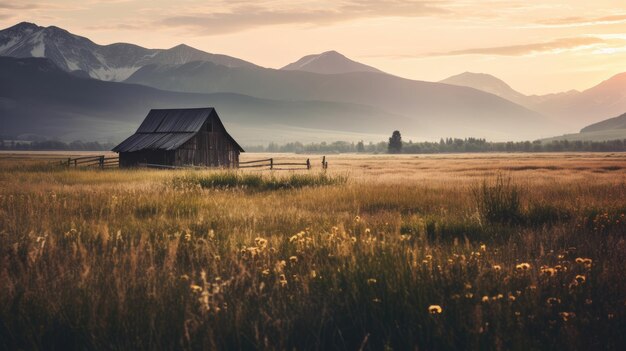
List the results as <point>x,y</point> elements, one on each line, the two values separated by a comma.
<point>209,147</point>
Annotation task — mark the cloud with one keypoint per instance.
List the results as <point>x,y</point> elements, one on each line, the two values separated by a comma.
<point>12,5</point>
<point>527,49</point>
<point>582,21</point>
<point>247,15</point>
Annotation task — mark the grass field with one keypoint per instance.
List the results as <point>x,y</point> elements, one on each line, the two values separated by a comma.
<point>442,252</point>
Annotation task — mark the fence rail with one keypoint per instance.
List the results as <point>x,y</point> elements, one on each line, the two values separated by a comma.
<point>273,165</point>
<point>100,161</point>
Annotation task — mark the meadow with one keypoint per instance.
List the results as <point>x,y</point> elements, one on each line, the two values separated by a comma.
<point>439,252</point>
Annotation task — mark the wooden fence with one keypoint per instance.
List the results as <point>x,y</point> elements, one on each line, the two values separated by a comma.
<point>100,161</point>
<point>104,162</point>
<point>273,164</point>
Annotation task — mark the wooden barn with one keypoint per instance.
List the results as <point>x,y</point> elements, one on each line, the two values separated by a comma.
<point>180,137</point>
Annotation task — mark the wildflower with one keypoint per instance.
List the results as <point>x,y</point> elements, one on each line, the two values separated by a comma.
<point>376,300</point>
<point>367,231</point>
<point>469,295</point>
<point>553,301</point>
<point>485,298</point>
<point>313,274</point>
<point>580,278</point>
<point>293,259</point>
<point>429,257</point>
<point>511,298</point>
<point>483,247</point>
<point>184,277</point>
<point>357,219</point>
<point>434,309</point>
<point>567,315</point>
<point>522,267</point>
<point>548,271</point>
<point>195,288</point>
<point>497,267</point>
<point>187,237</point>
<point>371,281</point>
<point>260,242</point>
<point>282,280</point>
<point>499,296</point>
<point>266,272</point>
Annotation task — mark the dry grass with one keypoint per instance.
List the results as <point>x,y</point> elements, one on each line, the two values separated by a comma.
<point>130,260</point>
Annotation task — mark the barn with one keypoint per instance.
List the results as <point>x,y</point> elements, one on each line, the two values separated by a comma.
<point>180,137</point>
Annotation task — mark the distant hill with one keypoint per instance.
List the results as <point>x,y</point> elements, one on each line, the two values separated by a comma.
<point>614,123</point>
<point>89,109</point>
<point>573,108</point>
<point>431,110</point>
<point>114,62</point>
<point>609,129</point>
<point>605,99</point>
<point>490,84</point>
<point>329,62</point>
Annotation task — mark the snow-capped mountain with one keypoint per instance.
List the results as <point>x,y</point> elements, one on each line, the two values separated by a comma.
<point>329,62</point>
<point>114,62</point>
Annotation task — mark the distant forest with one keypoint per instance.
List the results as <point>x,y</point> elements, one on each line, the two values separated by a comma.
<point>448,145</point>
<point>54,145</point>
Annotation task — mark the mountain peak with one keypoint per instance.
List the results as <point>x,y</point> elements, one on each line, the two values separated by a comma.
<point>25,26</point>
<point>328,62</point>
<point>488,83</point>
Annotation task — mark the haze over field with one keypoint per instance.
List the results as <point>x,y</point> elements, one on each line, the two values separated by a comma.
<point>551,69</point>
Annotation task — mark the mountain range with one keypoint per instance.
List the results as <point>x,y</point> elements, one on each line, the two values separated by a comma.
<point>108,89</point>
<point>114,62</point>
<point>576,108</point>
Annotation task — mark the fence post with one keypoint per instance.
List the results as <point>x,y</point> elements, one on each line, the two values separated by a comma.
<point>308,163</point>
<point>272,163</point>
<point>102,162</point>
<point>75,163</point>
<point>323,161</point>
<point>69,159</point>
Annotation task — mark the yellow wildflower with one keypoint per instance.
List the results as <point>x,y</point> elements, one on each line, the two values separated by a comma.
<point>434,309</point>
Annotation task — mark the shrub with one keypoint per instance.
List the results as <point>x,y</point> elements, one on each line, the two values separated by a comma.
<point>498,201</point>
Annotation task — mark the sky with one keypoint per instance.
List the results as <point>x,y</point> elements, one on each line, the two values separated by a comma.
<point>537,47</point>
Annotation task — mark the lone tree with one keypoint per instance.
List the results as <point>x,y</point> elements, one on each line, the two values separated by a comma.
<point>395,143</point>
<point>360,147</point>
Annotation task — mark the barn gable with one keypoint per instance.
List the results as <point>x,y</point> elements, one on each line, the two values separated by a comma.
<point>178,137</point>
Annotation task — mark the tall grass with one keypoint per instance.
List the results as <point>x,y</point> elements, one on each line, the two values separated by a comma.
<point>256,181</point>
<point>124,260</point>
<point>498,201</point>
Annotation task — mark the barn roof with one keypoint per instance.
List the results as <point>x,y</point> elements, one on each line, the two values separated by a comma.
<point>169,129</point>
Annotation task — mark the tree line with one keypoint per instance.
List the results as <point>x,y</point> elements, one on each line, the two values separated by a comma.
<point>394,145</point>
<point>54,145</point>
